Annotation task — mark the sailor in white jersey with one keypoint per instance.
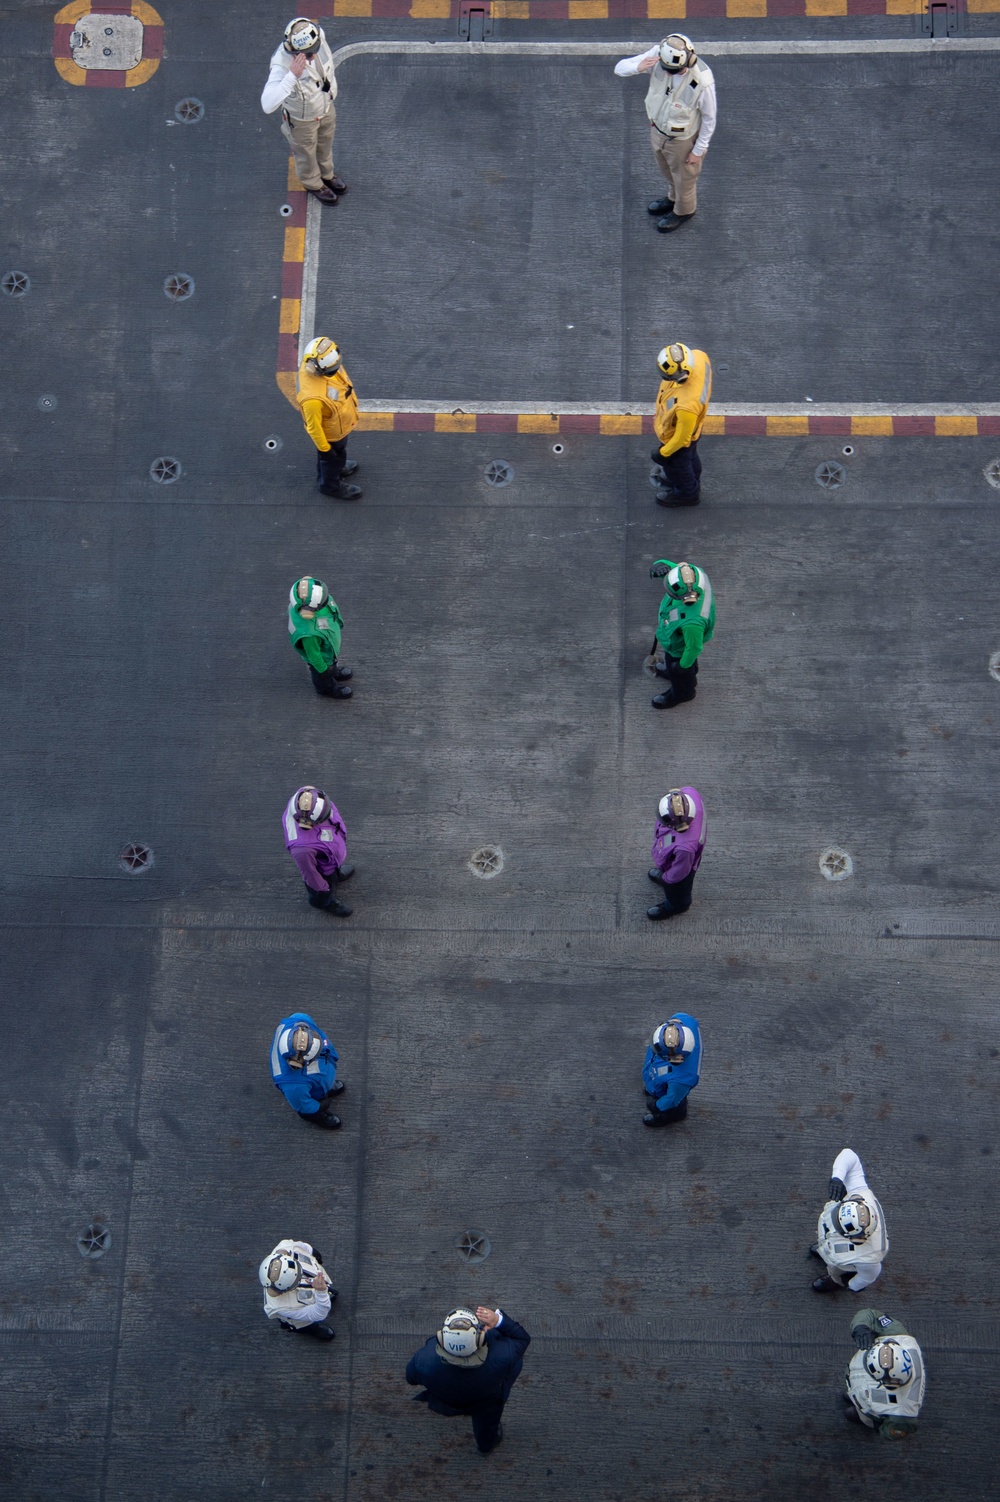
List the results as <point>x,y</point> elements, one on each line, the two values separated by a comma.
<point>681,108</point>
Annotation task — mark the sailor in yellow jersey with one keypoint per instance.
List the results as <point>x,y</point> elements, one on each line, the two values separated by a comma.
<point>681,408</point>
<point>329,408</point>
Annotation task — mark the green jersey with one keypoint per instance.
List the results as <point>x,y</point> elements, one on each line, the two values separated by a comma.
<point>316,634</point>
<point>683,629</point>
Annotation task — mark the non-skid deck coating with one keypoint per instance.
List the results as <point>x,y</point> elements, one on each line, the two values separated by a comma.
<point>513,231</point>
<point>491,1033</point>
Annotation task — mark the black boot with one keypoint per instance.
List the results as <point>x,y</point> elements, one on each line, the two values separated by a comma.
<point>655,875</point>
<point>669,698</point>
<point>671,498</point>
<point>327,686</point>
<point>825,1285</point>
<point>342,674</point>
<point>322,1118</point>
<point>350,467</point>
<point>660,207</point>
<point>662,910</point>
<point>339,909</point>
<point>672,222</point>
<point>345,872</point>
<point>344,492</point>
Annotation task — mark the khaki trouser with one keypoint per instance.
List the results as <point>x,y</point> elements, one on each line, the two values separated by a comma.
<point>682,176</point>
<point>312,147</point>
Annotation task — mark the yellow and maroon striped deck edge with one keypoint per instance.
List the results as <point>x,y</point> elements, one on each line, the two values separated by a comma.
<point>729,425</point>
<point>646,10</point>
<point>745,424</point>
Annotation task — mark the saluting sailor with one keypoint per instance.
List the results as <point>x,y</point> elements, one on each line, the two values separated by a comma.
<point>303,85</point>
<point>681,107</point>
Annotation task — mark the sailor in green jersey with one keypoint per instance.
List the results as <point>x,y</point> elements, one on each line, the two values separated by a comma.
<point>687,621</point>
<point>315,625</point>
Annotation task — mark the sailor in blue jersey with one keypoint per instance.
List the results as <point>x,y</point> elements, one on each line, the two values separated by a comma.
<point>671,1069</point>
<point>304,1069</point>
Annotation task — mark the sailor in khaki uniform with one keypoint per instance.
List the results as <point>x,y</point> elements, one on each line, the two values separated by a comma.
<point>681,108</point>
<point>303,85</point>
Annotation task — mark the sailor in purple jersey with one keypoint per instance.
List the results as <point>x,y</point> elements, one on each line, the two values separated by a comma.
<point>316,836</point>
<point>677,849</point>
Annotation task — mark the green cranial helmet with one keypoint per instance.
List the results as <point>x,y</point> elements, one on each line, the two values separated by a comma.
<point>309,594</point>
<point>684,583</point>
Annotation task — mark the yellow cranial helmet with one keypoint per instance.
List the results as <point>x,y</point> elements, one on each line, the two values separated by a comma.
<point>323,355</point>
<point>674,361</point>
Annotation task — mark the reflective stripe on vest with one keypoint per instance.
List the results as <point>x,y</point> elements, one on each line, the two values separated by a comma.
<point>680,613</point>
<point>672,100</point>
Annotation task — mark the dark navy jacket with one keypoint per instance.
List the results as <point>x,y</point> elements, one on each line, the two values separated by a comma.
<point>461,1389</point>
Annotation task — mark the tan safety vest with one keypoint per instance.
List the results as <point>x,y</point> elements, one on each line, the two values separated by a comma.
<point>308,99</point>
<point>693,395</point>
<point>672,100</point>
<point>338,398</point>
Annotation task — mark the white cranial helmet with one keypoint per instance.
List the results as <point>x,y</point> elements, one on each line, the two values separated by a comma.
<point>280,1272</point>
<point>461,1334</point>
<point>889,1363</point>
<point>855,1218</point>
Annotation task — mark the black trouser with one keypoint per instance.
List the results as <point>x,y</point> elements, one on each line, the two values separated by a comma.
<point>325,682</point>
<point>486,1424</point>
<point>684,681</point>
<point>682,472</point>
<point>330,466</point>
<point>323,899</point>
<point>677,894</point>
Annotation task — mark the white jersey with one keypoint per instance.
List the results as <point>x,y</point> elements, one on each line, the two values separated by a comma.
<point>875,1402</point>
<point>860,1262</point>
<point>305,98</point>
<point>302,1305</point>
<point>673,100</point>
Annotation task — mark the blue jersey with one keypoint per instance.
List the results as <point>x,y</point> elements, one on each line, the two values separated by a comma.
<point>304,1088</point>
<point>670,1083</point>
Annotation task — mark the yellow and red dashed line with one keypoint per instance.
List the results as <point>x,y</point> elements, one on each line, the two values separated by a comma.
<point>718,424</point>
<point>107,78</point>
<point>645,10</point>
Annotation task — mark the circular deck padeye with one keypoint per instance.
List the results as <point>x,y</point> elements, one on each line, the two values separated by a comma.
<point>486,862</point>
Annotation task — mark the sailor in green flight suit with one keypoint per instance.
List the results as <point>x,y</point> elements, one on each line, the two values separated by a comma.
<point>687,621</point>
<point>315,625</point>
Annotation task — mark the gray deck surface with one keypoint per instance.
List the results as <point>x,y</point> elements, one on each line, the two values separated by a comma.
<point>491,1034</point>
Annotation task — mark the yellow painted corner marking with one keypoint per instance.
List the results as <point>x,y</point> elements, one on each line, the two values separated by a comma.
<point>295,245</point>
<point>290,310</point>
<point>510,10</point>
<point>72,13</point>
<point>286,385</point>
<point>376,422</point>
<point>430,10</point>
<point>666,10</point>
<point>982,7</point>
<point>454,422</point>
<point>871,427</point>
<point>537,422</point>
<point>145,13</point>
<point>826,7</point>
<point>715,424</point>
<point>293,185</point>
<point>70,71</point>
<point>142,72</point>
<point>628,422</point>
<point>786,427</point>
<point>956,427</point>
<point>588,10</point>
<point>352,7</point>
<point>905,7</point>
<point>746,7</point>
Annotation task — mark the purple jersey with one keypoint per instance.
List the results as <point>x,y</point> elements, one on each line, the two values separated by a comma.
<point>677,852</point>
<point>317,851</point>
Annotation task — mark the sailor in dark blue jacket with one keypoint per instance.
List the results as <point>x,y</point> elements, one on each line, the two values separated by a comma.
<point>470,1367</point>
<point>304,1068</point>
<point>671,1070</point>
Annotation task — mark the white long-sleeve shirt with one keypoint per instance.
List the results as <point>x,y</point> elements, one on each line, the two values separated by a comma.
<point>848,1168</point>
<point>303,1305</point>
<point>281,81</point>
<point>708,103</point>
